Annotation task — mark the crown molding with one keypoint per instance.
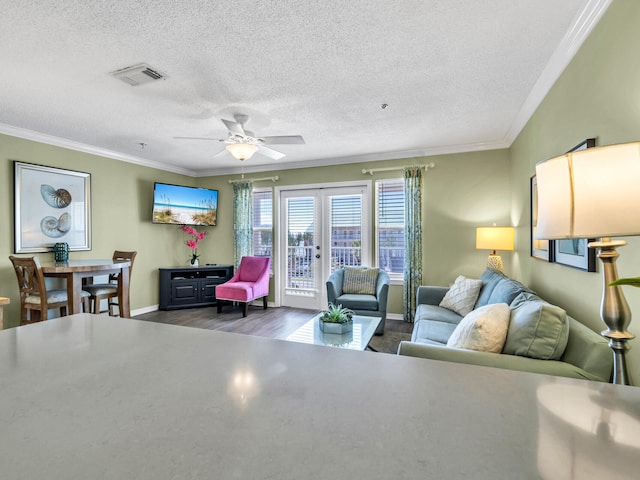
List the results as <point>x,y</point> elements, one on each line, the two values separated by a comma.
<point>324,162</point>
<point>373,157</point>
<point>90,149</point>
<point>564,53</point>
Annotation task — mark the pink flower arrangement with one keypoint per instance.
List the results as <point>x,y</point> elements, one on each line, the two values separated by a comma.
<point>192,243</point>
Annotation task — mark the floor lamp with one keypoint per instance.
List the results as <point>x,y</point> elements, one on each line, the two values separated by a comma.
<point>595,193</point>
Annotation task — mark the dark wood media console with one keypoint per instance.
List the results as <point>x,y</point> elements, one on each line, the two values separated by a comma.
<point>184,287</point>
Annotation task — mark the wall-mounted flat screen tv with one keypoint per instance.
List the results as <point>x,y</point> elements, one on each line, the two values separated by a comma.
<point>180,205</point>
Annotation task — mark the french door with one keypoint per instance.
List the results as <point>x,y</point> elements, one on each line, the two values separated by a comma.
<point>321,229</point>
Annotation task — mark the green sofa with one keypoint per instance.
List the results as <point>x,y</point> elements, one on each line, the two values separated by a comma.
<point>586,355</point>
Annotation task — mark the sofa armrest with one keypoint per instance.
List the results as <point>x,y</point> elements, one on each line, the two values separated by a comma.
<point>496,360</point>
<point>334,285</point>
<point>382,290</point>
<point>430,295</point>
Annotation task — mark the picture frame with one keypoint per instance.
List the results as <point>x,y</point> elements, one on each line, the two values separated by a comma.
<point>540,249</point>
<point>574,252</point>
<point>51,205</point>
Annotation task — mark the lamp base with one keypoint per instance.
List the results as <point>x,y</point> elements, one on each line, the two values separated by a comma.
<point>494,262</point>
<point>614,310</point>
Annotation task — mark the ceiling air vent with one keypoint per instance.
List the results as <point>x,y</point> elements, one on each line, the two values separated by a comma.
<point>138,74</point>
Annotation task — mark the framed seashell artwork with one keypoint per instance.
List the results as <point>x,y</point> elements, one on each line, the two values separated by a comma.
<point>51,205</point>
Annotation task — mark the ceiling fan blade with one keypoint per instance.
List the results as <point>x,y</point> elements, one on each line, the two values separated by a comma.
<point>234,127</point>
<point>199,138</point>
<point>269,152</point>
<point>283,140</point>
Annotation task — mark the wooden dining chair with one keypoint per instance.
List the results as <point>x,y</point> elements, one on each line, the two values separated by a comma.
<point>35,299</point>
<point>109,291</point>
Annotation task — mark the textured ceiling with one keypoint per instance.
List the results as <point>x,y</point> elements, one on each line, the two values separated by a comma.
<point>458,75</point>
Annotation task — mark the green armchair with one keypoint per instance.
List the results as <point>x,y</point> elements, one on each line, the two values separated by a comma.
<point>361,304</point>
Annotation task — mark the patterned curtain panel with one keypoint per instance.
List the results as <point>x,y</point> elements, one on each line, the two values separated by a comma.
<point>242,220</point>
<point>412,240</point>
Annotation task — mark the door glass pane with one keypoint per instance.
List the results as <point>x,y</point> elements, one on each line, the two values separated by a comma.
<point>301,232</point>
<point>346,230</point>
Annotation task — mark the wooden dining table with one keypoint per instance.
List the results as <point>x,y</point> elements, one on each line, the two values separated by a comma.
<point>74,271</point>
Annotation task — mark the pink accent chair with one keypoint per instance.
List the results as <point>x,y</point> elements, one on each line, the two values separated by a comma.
<point>251,281</point>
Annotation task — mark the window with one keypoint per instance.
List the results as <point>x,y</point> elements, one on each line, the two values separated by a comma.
<point>390,226</point>
<point>263,223</point>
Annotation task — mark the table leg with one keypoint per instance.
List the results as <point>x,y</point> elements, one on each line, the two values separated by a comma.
<point>74,293</point>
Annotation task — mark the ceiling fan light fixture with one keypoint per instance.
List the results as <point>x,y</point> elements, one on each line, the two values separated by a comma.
<point>242,151</point>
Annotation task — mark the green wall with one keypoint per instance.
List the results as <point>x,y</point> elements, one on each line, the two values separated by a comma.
<point>598,96</point>
<point>121,212</point>
<point>463,191</point>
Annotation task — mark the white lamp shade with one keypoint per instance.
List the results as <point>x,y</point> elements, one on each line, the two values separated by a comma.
<point>242,151</point>
<point>589,193</point>
<point>495,238</point>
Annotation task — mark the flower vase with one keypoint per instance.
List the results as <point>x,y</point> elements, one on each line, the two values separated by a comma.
<point>194,263</point>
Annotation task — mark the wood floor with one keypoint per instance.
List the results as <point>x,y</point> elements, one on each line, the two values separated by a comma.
<point>271,323</point>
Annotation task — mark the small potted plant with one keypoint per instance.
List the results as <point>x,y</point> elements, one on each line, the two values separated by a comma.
<point>336,319</point>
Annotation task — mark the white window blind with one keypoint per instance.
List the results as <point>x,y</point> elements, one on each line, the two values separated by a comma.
<point>390,226</point>
<point>346,230</point>
<point>263,223</point>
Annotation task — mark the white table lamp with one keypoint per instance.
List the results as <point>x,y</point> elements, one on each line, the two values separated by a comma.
<point>596,193</point>
<point>495,238</point>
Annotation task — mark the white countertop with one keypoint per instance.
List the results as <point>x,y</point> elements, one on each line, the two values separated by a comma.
<point>88,397</point>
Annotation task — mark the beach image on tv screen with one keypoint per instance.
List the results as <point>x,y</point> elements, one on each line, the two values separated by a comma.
<point>184,205</point>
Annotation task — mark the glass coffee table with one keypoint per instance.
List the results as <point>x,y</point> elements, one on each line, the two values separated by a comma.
<point>363,330</point>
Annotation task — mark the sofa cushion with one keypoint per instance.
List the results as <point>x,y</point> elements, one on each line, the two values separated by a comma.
<point>430,331</point>
<point>462,295</point>
<point>537,329</point>
<point>506,291</point>
<point>490,278</point>
<point>439,314</point>
<point>484,329</point>
<point>360,280</point>
<point>235,291</point>
<point>358,302</point>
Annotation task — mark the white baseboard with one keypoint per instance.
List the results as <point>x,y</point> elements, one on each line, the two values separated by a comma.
<point>395,316</point>
<point>258,303</point>
<point>140,311</point>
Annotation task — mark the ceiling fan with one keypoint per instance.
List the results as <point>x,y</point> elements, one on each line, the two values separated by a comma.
<point>242,144</point>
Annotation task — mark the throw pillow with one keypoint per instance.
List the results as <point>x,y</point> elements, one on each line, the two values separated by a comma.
<point>462,295</point>
<point>360,280</point>
<point>484,329</point>
<point>537,329</point>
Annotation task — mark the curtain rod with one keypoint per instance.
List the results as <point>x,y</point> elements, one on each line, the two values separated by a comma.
<point>273,179</point>
<point>371,171</point>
